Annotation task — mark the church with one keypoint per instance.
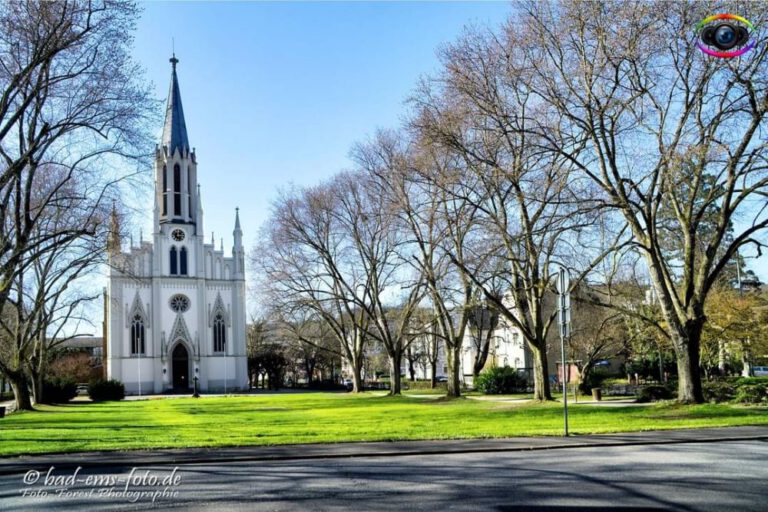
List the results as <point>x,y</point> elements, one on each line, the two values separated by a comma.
<point>175,306</point>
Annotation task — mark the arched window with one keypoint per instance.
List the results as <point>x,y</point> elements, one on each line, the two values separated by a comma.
<point>165,190</point>
<point>174,262</point>
<point>176,190</point>
<point>137,335</point>
<point>219,334</point>
<point>183,262</point>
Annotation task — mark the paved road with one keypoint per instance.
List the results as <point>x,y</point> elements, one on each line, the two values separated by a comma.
<point>690,476</point>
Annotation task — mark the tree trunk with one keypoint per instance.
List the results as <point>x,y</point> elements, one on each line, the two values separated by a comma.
<point>541,391</point>
<point>20,385</point>
<point>310,369</point>
<point>454,367</point>
<point>38,371</point>
<point>721,357</point>
<point>584,374</point>
<point>357,379</point>
<point>433,380</point>
<point>411,368</point>
<point>481,357</point>
<point>37,388</point>
<point>688,376</point>
<point>746,365</point>
<point>394,373</point>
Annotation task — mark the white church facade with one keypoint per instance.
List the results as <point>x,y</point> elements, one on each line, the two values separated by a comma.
<point>176,305</point>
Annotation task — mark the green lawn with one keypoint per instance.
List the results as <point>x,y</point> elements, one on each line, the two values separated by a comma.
<point>328,417</point>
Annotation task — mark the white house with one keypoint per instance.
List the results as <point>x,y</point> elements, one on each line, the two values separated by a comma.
<point>507,348</point>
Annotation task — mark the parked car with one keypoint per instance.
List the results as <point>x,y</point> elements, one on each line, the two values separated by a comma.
<point>442,378</point>
<point>760,371</point>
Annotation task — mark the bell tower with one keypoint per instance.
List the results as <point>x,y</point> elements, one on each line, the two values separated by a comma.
<point>176,194</point>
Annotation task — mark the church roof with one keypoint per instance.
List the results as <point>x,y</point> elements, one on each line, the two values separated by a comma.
<point>175,129</point>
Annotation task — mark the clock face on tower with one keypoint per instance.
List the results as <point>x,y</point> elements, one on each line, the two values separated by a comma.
<point>177,235</point>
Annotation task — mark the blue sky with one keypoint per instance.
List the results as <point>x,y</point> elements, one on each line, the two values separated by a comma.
<point>277,93</point>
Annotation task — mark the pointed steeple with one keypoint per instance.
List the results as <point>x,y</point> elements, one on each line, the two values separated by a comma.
<point>237,233</point>
<point>113,239</point>
<point>199,216</point>
<point>175,129</point>
<point>237,249</point>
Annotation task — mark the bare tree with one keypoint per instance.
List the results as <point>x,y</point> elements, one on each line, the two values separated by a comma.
<point>597,334</point>
<point>71,100</point>
<point>369,211</point>
<point>48,295</point>
<point>530,211</point>
<point>438,227</point>
<point>483,322</point>
<point>669,135</point>
<point>309,340</point>
<point>60,288</point>
<point>304,259</point>
<point>73,112</point>
<point>424,350</point>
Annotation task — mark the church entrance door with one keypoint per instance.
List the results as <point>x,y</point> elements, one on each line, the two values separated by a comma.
<point>180,367</point>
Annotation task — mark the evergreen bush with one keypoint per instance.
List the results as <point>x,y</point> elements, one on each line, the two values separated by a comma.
<point>59,390</point>
<point>498,381</point>
<point>102,390</point>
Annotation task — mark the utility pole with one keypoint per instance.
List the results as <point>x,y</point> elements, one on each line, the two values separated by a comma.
<point>564,296</point>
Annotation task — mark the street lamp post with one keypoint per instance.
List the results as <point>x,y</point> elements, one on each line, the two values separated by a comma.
<point>564,300</point>
<point>138,361</point>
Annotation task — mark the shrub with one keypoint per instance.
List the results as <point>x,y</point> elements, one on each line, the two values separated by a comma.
<point>746,390</point>
<point>653,393</point>
<point>614,381</point>
<point>423,384</point>
<point>497,381</point>
<point>59,390</point>
<point>740,381</point>
<point>101,390</point>
<point>718,390</point>
<point>596,378</point>
<point>752,394</point>
<point>326,385</point>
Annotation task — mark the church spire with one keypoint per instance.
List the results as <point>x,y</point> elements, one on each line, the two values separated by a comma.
<point>237,220</point>
<point>175,129</point>
<point>113,238</point>
<point>238,254</point>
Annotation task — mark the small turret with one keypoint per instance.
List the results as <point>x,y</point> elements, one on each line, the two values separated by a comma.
<point>238,254</point>
<point>199,217</point>
<point>237,233</point>
<point>114,242</point>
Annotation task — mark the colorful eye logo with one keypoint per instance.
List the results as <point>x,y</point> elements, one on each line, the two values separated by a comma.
<point>724,35</point>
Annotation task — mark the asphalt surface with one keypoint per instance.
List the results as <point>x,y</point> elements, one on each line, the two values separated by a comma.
<point>673,474</point>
